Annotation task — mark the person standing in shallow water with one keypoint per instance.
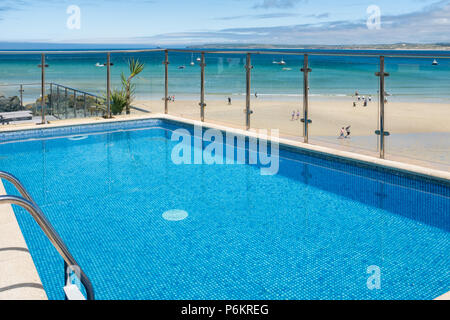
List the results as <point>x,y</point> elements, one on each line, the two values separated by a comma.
<point>342,133</point>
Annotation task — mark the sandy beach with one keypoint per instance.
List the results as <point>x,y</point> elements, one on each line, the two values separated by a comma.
<point>328,115</point>
<point>420,131</point>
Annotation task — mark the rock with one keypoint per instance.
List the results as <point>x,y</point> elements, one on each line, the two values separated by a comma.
<point>10,104</point>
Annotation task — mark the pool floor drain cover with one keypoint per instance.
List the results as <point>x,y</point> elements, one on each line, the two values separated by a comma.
<point>175,215</point>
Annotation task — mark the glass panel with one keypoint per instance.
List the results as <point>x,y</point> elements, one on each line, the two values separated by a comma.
<point>184,85</point>
<point>418,111</point>
<point>147,87</point>
<point>20,89</point>
<point>76,85</point>
<point>343,103</point>
<point>225,87</point>
<point>277,93</point>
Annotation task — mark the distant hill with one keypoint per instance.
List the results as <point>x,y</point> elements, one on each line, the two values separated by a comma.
<point>397,46</point>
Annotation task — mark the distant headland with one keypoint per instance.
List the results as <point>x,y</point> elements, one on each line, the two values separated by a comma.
<point>397,46</point>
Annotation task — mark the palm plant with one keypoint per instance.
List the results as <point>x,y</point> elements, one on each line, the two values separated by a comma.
<point>118,101</point>
<point>135,67</point>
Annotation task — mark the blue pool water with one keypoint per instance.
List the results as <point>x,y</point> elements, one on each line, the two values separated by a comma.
<point>309,232</point>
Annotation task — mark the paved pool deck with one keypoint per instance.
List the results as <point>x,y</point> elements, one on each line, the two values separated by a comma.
<point>19,279</point>
<point>18,276</point>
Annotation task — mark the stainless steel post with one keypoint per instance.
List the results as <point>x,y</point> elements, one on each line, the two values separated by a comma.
<point>50,99</point>
<point>57,101</point>
<point>108,85</point>
<point>166,82</point>
<point>42,65</point>
<point>248,111</point>
<point>75,103</point>
<point>202,88</point>
<point>66,103</point>
<point>306,121</point>
<point>84,106</point>
<point>382,132</point>
<point>21,95</point>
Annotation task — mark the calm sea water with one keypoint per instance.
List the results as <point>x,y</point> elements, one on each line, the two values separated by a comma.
<point>411,78</point>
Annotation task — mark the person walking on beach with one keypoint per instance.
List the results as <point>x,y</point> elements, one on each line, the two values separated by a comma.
<point>229,100</point>
<point>256,95</point>
<point>347,130</point>
<point>293,115</point>
<point>298,114</point>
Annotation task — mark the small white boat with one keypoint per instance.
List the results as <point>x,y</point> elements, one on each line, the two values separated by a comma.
<point>192,60</point>
<point>99,65</point>
<point>198,59</point>
<point>281,63</point>
<point>435,63</point>
<point>287,69</point>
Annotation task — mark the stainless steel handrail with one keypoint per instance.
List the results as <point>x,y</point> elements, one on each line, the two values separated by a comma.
<point>73,89</point>
<point>28,204</point>
<point>332,52</point>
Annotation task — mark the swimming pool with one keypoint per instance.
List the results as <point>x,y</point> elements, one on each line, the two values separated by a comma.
<point>309,232</point>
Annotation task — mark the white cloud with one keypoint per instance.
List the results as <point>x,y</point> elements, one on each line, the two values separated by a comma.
<point>429,25</point>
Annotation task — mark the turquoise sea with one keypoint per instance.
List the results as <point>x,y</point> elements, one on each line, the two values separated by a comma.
<point>410,78</point>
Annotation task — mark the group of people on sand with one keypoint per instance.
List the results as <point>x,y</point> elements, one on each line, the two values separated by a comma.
<point>171,98</point>
<point>359,98</point>
<point>229,98</point>
<point>295,114</point>
<point>345,133</point>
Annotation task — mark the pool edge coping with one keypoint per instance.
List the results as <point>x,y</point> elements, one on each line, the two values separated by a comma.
<point>22,282</point>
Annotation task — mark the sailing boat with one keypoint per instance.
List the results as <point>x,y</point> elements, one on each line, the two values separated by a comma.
<point>435,63</point>
<point>192,59</point>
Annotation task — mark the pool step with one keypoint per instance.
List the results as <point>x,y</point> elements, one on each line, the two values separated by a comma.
<point>73,292</point>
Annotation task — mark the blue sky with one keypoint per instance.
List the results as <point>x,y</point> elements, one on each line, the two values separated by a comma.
<point>173,22</point>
